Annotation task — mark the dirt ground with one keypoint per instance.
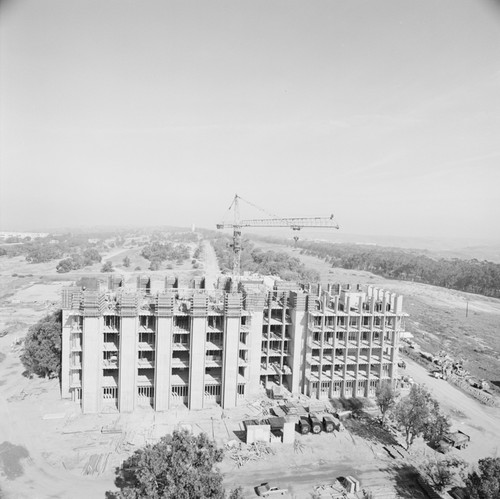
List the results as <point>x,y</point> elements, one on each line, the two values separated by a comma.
<point>46,443</point>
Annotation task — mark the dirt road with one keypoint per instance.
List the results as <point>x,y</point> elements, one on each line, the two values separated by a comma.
<point>482,423</point>
<point>211,266</point>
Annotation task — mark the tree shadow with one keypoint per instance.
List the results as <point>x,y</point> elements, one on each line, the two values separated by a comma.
<point>370,429</point>
<point>406,483</point>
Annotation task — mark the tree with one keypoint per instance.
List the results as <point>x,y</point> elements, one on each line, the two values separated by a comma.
<point>126,262</point>
<point>386,398</point>
<point>442,472</point>
<point>438,425</point>
<point>485,482</point>
<point>180,467</point>
<point>415,412</point>
<point>91,256</point>
<point>42,347</point>
<point>107,267</point>
<point>155,265</point>
<point>65,265</point>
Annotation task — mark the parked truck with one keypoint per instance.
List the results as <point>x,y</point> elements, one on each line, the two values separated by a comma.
<point>458,440</point>
<point>330,423</point>
<point>265,490</point>
<point>315,423</point>
<point>304,426</point>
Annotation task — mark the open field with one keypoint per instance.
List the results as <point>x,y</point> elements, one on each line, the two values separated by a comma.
<point>46,444</point>
<point>437,316</point>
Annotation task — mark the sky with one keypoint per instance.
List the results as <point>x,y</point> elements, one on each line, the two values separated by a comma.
<point>156,112</point>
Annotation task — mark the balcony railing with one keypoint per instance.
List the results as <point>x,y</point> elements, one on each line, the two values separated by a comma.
<point>146,346</point>
<point>110,346</point>
<point>145,363</point>
<point>180,363</point>
<point>180,346</point>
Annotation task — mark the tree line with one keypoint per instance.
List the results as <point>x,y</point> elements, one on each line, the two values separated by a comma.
<point>78,261</point>
<point>472,276</point>
<point>157,253</point>
<point>278,263</point>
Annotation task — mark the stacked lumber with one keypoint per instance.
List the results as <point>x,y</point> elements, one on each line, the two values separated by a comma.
<point>96,464</point>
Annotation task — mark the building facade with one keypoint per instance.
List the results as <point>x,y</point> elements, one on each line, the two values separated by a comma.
<point>165,345</point>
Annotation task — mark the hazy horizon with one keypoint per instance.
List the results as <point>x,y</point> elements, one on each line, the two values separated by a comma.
<point>152,113</point>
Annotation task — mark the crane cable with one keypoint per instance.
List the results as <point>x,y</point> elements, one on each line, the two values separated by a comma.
<point>269,214</point>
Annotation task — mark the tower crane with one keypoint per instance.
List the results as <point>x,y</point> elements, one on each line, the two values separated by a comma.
<point>296,224</point>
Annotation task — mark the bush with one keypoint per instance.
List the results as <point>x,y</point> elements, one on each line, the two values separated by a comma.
<point>42,347</point>
<point>107,267</point>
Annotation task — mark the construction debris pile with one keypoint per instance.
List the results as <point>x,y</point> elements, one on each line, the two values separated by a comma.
<point>243,453</point>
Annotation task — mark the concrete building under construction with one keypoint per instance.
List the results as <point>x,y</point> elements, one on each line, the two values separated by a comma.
<point>164,344</point>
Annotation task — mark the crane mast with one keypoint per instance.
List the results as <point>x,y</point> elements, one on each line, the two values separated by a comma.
<point>295,223</point>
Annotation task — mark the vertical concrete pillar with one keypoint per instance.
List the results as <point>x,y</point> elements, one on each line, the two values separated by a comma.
<point>382,334</point>
<point>199,313</point>
<point>232,319</point>
<point>127,380</point>
<point>163,362</point>
<point>197,362</point>
<point>230,362</point>
<point>67,320</point>
<point>254,343</point>
<point>298,332</point>
<point>92,345</point>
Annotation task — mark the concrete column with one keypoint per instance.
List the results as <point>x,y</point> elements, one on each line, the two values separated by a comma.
<point>230,362</point>
<point>197,362</point>
<point>127,380</point>
<point>382,334</point>
<point>298,344</point>
<point>67,321</point>
<point>92,345</point>
<point>298,350</point>
<point>254,352</point>
<point>163,362</point>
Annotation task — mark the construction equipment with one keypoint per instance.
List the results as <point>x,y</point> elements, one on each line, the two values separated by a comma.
<point>295,224</point>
